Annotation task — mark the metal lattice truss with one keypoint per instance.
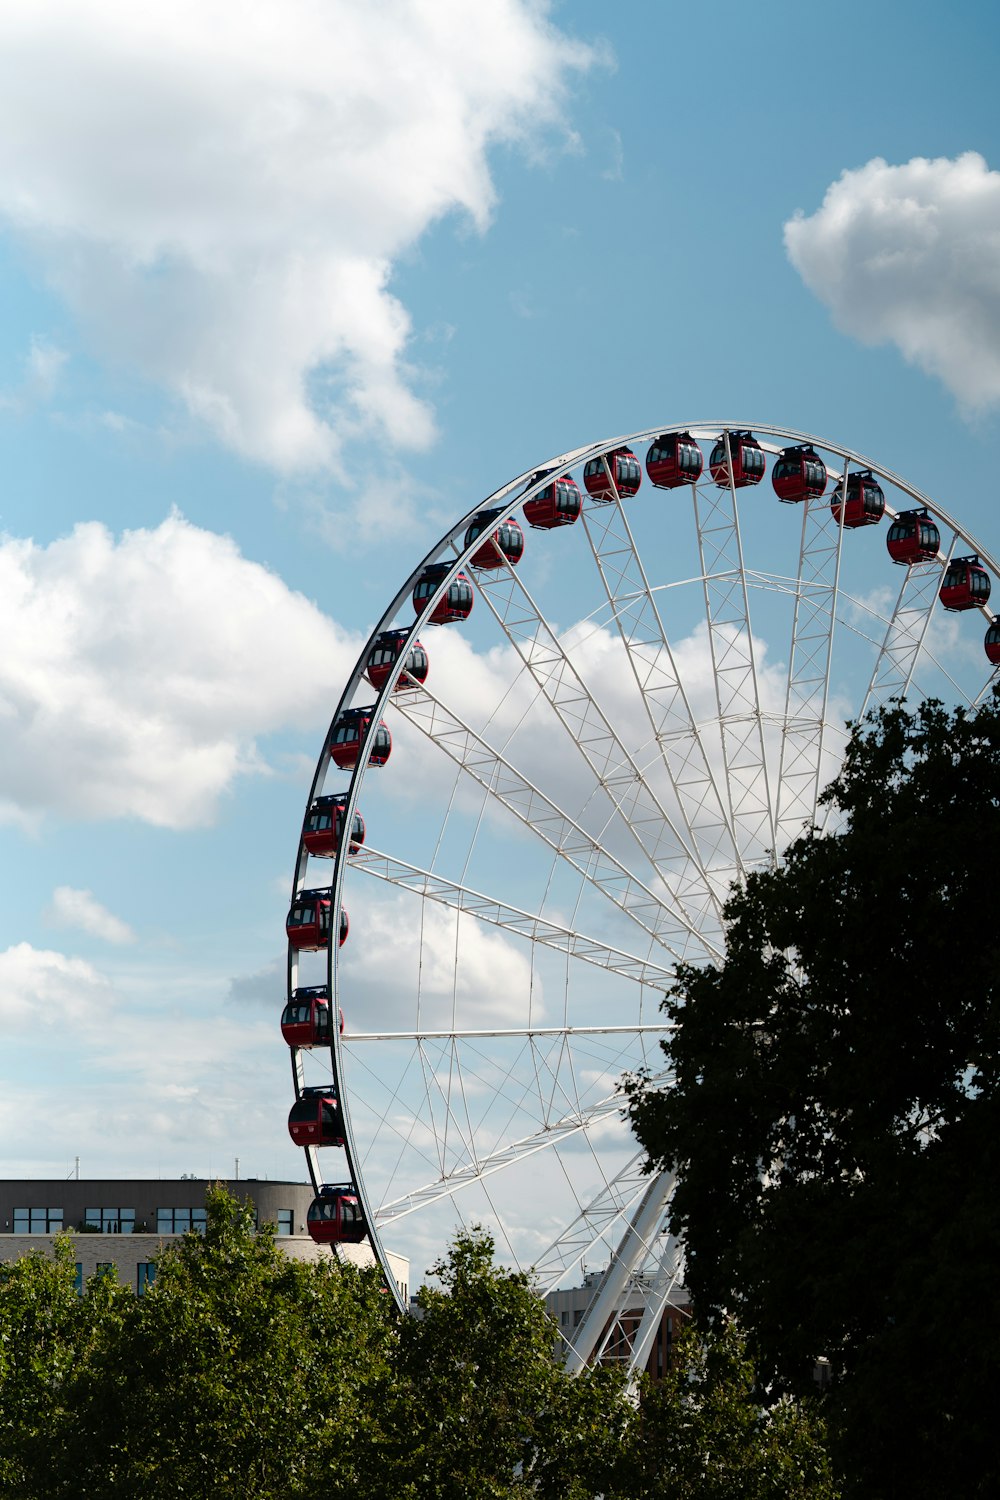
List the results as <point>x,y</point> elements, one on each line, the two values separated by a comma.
<point>653,907</point>
<point>634,848</point>
<point>536,929</point>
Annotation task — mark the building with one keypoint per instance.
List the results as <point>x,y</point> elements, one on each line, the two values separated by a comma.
<point>123,1222</point>
<point>567,1307</point>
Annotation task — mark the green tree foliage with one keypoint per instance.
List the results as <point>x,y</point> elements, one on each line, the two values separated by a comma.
<point>240,1374</point>
<point>704,1434</point>
<point>481,1407</point>
<point>834,1120</point>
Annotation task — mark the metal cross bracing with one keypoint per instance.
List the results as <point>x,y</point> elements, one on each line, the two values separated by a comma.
<point>808,684</point>
<point>642,1272</point>
<point>547,1137</point>
<point>905,632</point>
<point>537,929</point>
<point>637,619</point>
<point>737,690</point>
<point>655,911</point>
<point>671,850</point>
<point>597,1227</point>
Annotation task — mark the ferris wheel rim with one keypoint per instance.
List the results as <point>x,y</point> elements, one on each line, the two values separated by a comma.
<point>506,499</point>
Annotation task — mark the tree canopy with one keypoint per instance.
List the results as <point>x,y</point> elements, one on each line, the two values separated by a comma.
<point>834,1118</point>
<point>240,1374</point>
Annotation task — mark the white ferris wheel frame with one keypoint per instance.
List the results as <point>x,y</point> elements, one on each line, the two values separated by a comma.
<point>713,816</point>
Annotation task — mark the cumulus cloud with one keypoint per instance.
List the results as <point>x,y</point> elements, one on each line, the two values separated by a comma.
<point>72,908</point>
<point>39,987</point>
<point>911,255</point>
<point>139,672</point>
<point>220,188</point>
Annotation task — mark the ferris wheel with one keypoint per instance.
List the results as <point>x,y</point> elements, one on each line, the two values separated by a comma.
<point>647,661</point>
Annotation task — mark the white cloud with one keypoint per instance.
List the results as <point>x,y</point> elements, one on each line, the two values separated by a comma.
<point>220,188</point>
<point>399,954</point>
<point>73,908</point>
<point>139,672</point>
<point>911,254</point>
<point>42,988</point>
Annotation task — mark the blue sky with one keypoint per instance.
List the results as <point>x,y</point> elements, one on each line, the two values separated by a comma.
<point>286,288</point>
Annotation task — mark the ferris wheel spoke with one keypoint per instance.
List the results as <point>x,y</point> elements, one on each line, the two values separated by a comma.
<point>640,627</point>
<point>905,632</point>
<point>510,1155</point>
<point>536,929</point>
<point>809,662</point>
<point>737,686</point>
<point>586,854</point>
<point>596,1227</point>
<point>673,851</point>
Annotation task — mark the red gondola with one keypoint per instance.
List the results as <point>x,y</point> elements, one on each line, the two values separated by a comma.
<point>799,474</point>
<point>348,732</point>
<point>559,504</point>
<point>308,921</point>
<point>913,537</point>
<point>305,1020</point>
<point>748,458</point>
<point>334,1216</point>
<point>674,459</point>
<point>456,601</point>
<point>507,541</point>
<point>388,647</point>
<point>865,501</point>
<point>324,827</point>
<point>992,643</point>
<point>316,1119</point>
<point>625,471</point>
<point>966,584</point>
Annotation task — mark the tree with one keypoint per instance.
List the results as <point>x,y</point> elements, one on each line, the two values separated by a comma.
<point>238,1373</point>
<point>481,1407</point>
<point>703,1432</point>
<point>834,1119</point>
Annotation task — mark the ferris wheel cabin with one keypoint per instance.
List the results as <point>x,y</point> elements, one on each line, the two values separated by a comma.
<point>348,732</point>
<point>316,1119</point>
<point>992,643</point>
<point>865,501</point>
<point>455,603</point>
<point>335,1217</point>
<point>799,474</point>
<point>324,827</point>
<point>305,1020</point>
<point>674,459</point>
<point>913,538</point>
<point>308,921</point>
<point>507,542</point>
<point>748,458</point>
<point>389,646</point>
<point>558,504</point>
<point>624,469</point>
<point>966,584</point>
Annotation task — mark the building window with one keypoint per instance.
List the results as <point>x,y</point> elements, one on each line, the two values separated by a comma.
<point>37,1220</point>
<point>78,1278</point>
<point>145,1275</point>
<point>285,1221</point>
<point>104,1268</point>
<point>180,1220</point>
<point>110,1220</point>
